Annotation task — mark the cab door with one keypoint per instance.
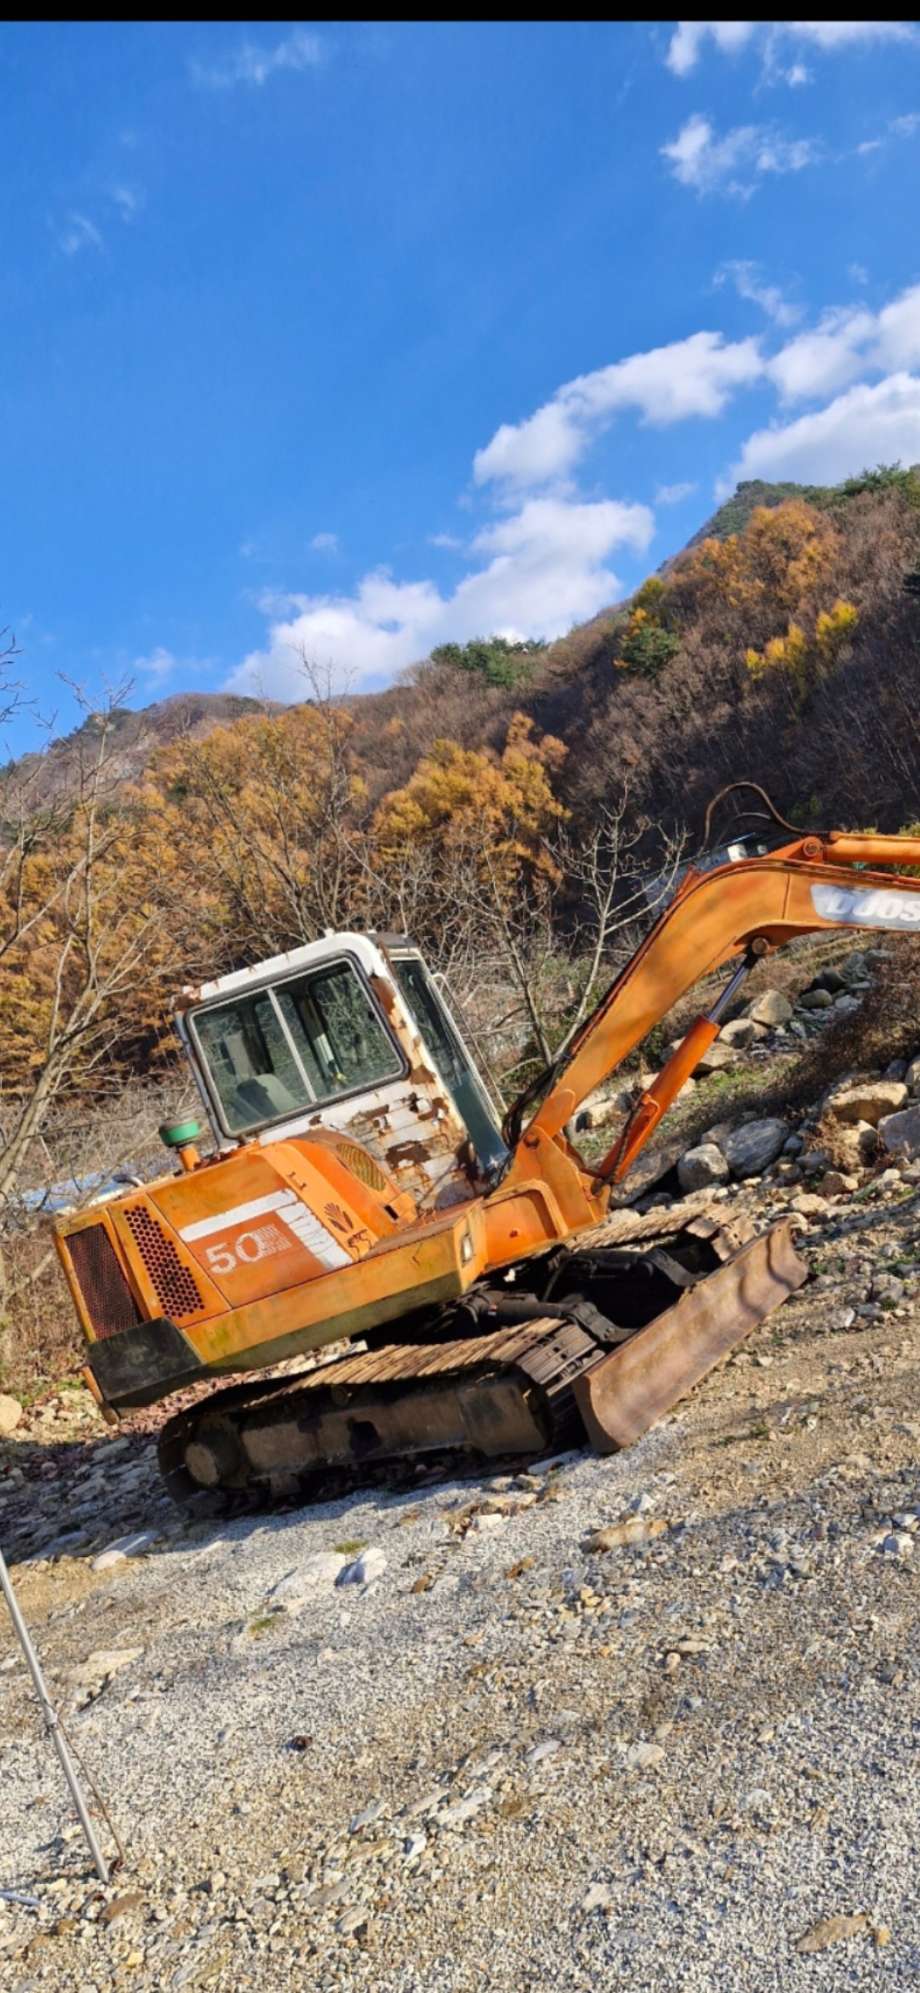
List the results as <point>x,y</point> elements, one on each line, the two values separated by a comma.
<point>433,1021</point>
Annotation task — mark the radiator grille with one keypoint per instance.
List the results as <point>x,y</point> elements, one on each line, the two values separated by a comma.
<point>362,1166</point>
<point>175,1287</point>
<point>110,1303</point>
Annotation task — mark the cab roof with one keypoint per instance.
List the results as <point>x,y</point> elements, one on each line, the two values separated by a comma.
<point>365,947</point>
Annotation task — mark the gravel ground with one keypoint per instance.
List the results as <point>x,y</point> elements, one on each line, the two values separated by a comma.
<point>510,1759</point>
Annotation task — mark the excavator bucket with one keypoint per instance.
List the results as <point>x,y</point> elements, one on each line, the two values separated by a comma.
<point>633,1386</point>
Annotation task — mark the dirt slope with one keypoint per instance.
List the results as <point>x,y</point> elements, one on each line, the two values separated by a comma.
<point>509,1761</point>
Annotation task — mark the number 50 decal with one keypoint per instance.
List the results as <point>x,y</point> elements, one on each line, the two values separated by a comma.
<point>247,1248</point>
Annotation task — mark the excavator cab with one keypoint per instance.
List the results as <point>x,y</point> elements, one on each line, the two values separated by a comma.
<point>351,1032</point>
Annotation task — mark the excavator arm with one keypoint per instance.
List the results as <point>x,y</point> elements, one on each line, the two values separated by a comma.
<point>811,885</point>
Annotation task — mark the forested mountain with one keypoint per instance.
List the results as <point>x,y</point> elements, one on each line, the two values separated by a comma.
<point>134,737</point>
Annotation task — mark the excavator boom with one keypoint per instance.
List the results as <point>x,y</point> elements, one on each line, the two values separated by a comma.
<point>746,909</point>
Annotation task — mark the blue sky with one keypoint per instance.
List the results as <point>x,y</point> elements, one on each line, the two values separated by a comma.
<point>346,340</point>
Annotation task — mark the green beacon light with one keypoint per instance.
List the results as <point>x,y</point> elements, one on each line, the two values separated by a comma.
<point>182,1136</point>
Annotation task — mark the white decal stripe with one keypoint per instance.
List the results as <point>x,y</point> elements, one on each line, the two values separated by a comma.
<point>315,1237</point>
<point>238,1215</point>
<point>877,906</point>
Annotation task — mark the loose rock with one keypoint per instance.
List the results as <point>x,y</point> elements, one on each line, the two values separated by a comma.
<point>831,1930</point>
<point>751,1149</point>
<point>900,1133</point>
<point>740,1032</point>
<point>123,1548</point>
<point>835,1183</point>
<point>638,1529</point>
<point>643,1757</point>
<point>771,1008</point>
<point>363,1570</point>
<point>702,1166</point>
<point>10,1414</point>
<point>315,1575</point>
<point>867,1102</point>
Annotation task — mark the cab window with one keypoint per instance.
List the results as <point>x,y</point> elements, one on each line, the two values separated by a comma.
<point>274,1052</point>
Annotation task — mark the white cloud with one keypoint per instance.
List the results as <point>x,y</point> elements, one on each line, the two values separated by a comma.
<point>447,541</point>
<point>846,34</point>
<point>253,63</point>
<point>865,426</point>
<point>674,494</point>
<point>735,162</point>
<point>159,663</point>
<point>691,38</point>
<point>857,273</point>
<point>897,128</point>
<point>533,452</point>
<point>829,357</point>
<point>847,342</point>
<point>693,376</point>
<point>541,569</point>
<point>127,200</point>
<point>324,543</point>
<point>747,282</point>
<point>898,331</point>
<point>79,233</point>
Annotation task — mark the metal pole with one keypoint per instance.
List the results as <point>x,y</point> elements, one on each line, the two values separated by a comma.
<point>51,1722</point>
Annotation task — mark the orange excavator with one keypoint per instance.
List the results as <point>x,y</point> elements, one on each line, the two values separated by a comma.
<point>361,1188</point>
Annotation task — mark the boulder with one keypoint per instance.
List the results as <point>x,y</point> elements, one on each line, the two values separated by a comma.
<point>829,979</point>
<point>900,1133</point>
<point>10,1414</point>
<point>771,1008</point>
<point>868,1101</point>
<point>815,1000</point>
<point>740,1032</point>
<point>701,1167</point>
<point>717,1058</point>
<point>601,1109</point>
<point>751,1149</point>
<point>912,1075</point>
